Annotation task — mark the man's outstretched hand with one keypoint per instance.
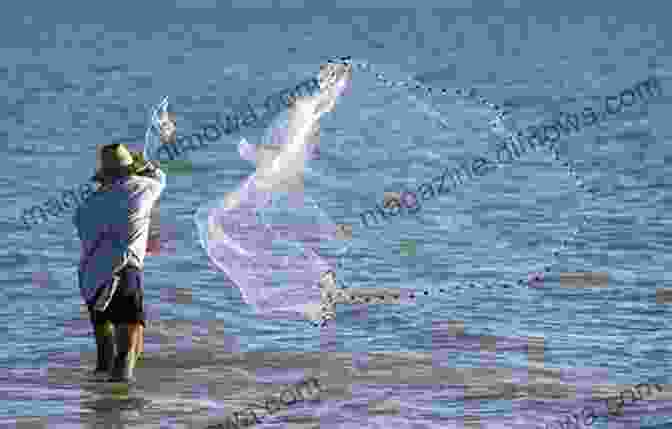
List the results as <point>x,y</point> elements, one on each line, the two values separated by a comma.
<point>143,166</point>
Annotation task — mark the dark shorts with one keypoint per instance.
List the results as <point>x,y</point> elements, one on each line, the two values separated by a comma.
<point>127,305</point>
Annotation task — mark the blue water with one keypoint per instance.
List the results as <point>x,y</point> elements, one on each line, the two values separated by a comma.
<point>70,87</point>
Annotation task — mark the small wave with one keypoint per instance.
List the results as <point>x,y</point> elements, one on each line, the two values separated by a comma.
<point>108,69</point>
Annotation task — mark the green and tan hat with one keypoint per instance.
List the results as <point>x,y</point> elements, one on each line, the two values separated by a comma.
<point>116,160</point>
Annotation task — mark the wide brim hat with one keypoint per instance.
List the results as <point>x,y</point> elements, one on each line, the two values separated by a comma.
<point>116,160</point>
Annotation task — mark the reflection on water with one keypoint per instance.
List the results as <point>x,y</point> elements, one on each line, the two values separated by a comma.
<point>203,380</point>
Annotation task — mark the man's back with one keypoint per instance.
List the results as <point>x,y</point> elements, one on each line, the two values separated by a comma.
<point>113,226</point>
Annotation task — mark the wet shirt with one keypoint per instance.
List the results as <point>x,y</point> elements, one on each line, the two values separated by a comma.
<point>113,226</point>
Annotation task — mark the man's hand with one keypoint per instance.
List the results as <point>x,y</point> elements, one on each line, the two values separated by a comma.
<point>143,167</point>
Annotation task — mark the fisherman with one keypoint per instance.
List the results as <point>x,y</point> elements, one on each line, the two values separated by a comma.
<point>113,226</point>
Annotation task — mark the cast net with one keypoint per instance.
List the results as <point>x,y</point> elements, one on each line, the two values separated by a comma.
<point>272,239</point>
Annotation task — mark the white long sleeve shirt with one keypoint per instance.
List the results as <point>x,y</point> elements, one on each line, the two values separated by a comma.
<point>113,226</point>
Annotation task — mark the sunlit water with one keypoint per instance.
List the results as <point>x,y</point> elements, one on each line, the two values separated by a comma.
<point>70,87</point>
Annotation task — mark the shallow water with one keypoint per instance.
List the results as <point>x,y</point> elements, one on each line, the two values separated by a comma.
<point>69,87</point>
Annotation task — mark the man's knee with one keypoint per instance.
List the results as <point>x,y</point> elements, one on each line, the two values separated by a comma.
<point>134,328</point>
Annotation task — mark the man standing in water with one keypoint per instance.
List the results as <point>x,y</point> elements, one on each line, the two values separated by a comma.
<point>113,227</point>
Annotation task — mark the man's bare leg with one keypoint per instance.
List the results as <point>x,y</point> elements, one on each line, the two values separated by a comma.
<point>127,346</point>
<point>135,332</point>
<point>140,342</point>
